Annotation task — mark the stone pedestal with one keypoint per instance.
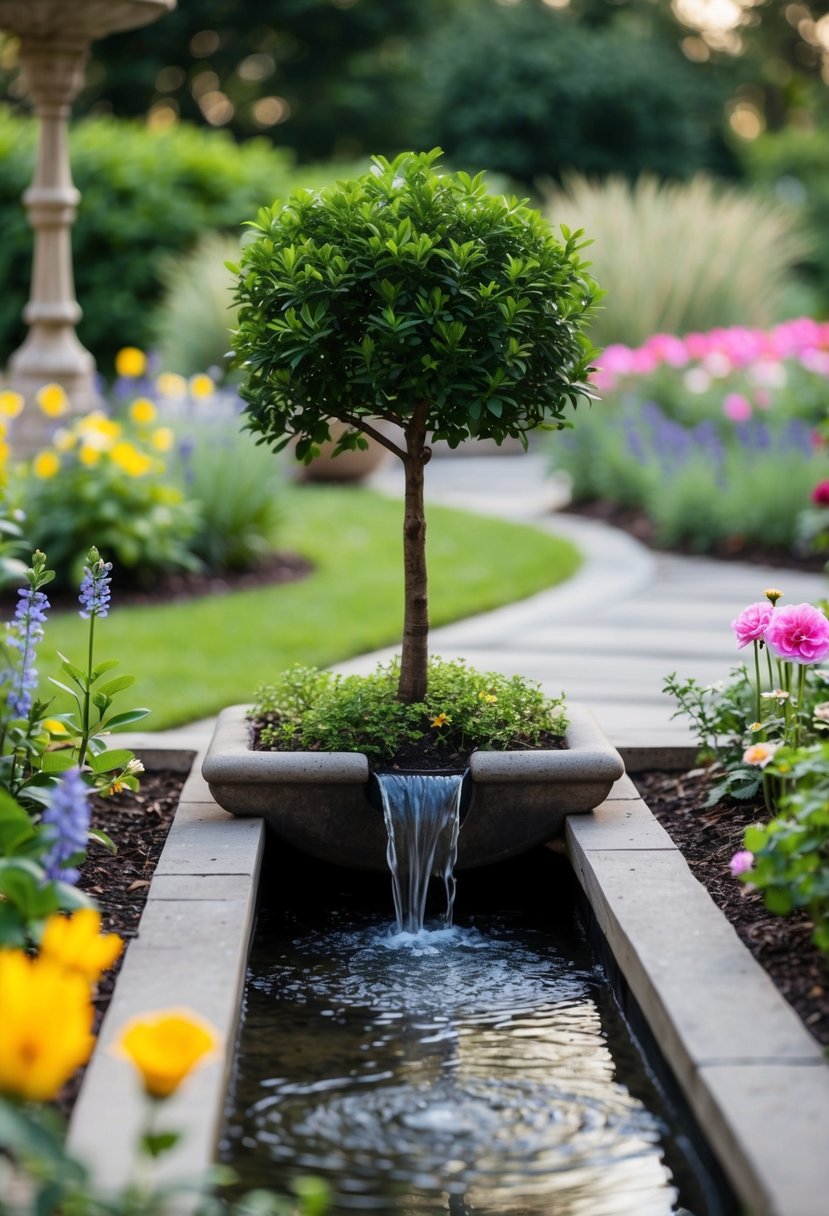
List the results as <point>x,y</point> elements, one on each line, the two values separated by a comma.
<point>55,39</point>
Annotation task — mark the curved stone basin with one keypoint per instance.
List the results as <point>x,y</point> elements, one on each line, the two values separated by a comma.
<point>318,801</point>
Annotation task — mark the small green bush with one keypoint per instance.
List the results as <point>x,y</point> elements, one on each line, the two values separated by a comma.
<point>309,709</point>
<point>144,195</point>
<point>679,257</point>
<point>193,320</point>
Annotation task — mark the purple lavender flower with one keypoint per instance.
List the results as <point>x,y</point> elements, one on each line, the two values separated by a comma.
<point>24,633</point>
<point>66,819</point>
<point>95,593</point>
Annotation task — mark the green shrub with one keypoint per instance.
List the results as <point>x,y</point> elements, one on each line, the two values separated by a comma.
<point>237,487</point>
<point>465,709</point>
<point>144,194</point>
<point>679,257</point>
<point>192,323</point>
<point>107,479</point>
<point>792,166</point>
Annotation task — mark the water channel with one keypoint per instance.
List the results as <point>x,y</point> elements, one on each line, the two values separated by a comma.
<point>479,1069</point>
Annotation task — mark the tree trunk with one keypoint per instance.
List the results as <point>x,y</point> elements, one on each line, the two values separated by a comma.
<point>415,653</point>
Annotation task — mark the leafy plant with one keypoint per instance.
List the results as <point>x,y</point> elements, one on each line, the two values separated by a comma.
<point>414,298</point>
<point>307,709</point>
<point>194,317</point>
<point>108,478</point>
<point>659,276</point>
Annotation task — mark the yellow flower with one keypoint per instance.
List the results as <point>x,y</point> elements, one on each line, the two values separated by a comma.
<point>11,404</point>
<point>171,384</point>
<point>165,1047</point>
<point>53,400</point>
<point>46,464</point>
<point>98,431</point>
<point>142,411</point>
<point>440,720</point>
<point>201,386</point>
<point>55,726</point>
<point>76,943</point>
<point>130,362</point>
<point>88,455</point>
<point>489,697</point>
<point>127,457</point>
<point>772,594</point>
<point>162,438</point>
<point>46,1016</point>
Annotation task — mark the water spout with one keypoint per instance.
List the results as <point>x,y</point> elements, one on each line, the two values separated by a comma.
<point>422,814</point>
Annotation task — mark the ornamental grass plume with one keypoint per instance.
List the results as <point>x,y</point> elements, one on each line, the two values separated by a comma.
<point>165,1047</point>
<point>46,1019</point>
<point>799,633</point>
<point>77,944</point>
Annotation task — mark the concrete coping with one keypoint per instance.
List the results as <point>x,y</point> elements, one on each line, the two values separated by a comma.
<point>755,1079</point>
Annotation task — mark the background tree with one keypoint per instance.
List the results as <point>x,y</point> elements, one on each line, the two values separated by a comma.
<point>412,299</point>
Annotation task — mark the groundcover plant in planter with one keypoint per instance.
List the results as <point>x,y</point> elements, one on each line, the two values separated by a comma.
<point>411,306</point>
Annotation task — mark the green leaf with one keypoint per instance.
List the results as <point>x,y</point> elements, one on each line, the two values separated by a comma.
<point>102,839</point>
<point>16,826</point>
<point>155,1144</point>
<point>125,719</point>
<point>112,759</point>
<point>59,761</point>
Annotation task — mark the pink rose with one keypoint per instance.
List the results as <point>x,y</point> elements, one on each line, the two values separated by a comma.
<point>799,633</point>
<point>736,407</point>
<point>741,862</point>
<point>752,623</point>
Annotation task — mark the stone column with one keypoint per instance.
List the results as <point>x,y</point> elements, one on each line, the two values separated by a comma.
<point>52,70</point>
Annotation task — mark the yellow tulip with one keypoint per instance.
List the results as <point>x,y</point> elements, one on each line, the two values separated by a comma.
<point>165,1047</point>
<point>76,943</point>
<point>162,438</point>
<point>46,1016</point>
<point>201,386</point>
<point>142,411</point>
<point>45,465</point>
<point>52,400</point>
<point>11,404</point>
<point>130,362</point>
<point>127,457</point>
<point>171,384</point>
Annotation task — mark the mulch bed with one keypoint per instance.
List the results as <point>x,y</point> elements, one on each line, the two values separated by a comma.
<point>708,838</point>
<point>735,548</point>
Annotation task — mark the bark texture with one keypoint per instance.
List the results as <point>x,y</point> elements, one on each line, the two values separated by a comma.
<point>415,652</point>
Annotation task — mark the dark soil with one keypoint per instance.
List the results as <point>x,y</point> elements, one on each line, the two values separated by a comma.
<point>637,524</point>
<point>708,838</point>
<point>138,825</point>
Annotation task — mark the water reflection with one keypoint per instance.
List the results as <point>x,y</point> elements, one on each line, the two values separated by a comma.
<point>467,1070</point>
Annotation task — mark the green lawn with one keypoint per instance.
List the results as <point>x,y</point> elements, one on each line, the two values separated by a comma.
<point>192,659</point>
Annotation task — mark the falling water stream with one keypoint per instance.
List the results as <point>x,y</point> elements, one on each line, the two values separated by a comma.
<point>478,1069</point>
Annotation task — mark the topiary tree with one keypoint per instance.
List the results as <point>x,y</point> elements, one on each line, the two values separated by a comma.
<point>417,299</point>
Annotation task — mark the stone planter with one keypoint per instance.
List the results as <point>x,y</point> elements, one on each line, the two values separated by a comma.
<point>317,801</point>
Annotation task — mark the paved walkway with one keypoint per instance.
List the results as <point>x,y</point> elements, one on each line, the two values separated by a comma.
<point>610,635</point>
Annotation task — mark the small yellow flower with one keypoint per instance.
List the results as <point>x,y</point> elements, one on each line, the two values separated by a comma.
<point>201,386</point>
<point>45,465</point>
<point>55,726</point>
<point>128,458</point>
<point>88,455</point>
<point>130,362</point>
<point>98,431</point>
<point>77,944</point>
<point>163,438</point>
<point>11,404</point>
<point>52,400</point>
<point>488,697</point>
<point>755,726</point>
<point>165,1047</point>
<point>46,1015</point>
<point>172,385</point>
<point>440,720</point>
<point>772,594</point>
<point>143,411</point>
